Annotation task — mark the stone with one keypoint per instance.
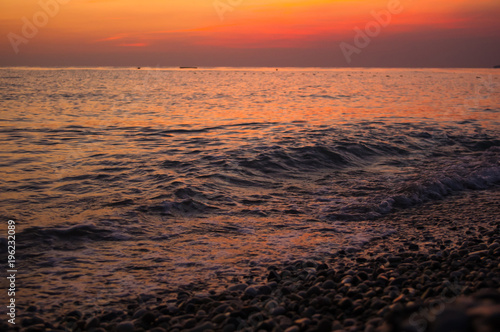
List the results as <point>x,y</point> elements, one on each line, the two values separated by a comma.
<point>293,328</point>
<point>92,322</point>
<point>251,291</point>
<point>303,322</point>
<point>203,327</point>
<point>229,328</point>
<point>125,327</point>
<point>237,288</point>
<point>280,310</point>
<point>148,318</point>
<point>266,290</point>
<point>273,276</point>
<point>314,290</point>
<point>157,329</point>
<point>28,321</point>
<point>345,303</point>
<point>139,313</point>
<point>220,318</point>
<point>324,325</point>
<point>413,247</point>
<point>189,323</point>
<point>328,284</point>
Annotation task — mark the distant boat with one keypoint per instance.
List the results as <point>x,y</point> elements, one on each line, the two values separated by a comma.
<point>496,66</point>
<point>188,67</point>
<point>138,67</point>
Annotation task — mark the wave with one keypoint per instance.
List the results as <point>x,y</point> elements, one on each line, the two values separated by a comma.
<point>413,193</point>
<point>185,207</point>
<point>38,236</point>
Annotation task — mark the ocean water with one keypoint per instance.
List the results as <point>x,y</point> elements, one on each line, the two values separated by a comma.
<point>127,182</point>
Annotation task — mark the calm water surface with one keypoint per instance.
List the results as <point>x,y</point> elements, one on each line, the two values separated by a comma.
<point>126,182</point>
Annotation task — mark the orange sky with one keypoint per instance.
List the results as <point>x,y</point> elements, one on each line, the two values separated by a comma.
<point>456,33</point>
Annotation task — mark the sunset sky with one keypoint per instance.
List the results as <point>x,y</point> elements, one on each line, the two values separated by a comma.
<point>423,33</point>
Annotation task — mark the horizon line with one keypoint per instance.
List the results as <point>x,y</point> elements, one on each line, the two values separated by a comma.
<point>232,67</point>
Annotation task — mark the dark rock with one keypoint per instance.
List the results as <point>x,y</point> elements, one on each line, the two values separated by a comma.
<point>397,281</point>
<point>310,264</point>
<point>237,288</point>
<point>295,297</point>
<point>266,325</point>
<point>183,295</point>
<point>148,318</point>
<point>221,308</point>
<point>293,328</point>
<point>309,312</point>
<point>172,309</point>
<point>220,318</point>
<point>283,322</point>
<point>303,322</point>
<point>35,328</point>
<point>273,275</point>
<point>203,327</point>
<point>256,318</point>
<point>139,313</point>
<point>322,266</point>
<point>266,290</point>
<point>324,325</point>
<point>321,301</point>
<point>155,329</point>
<point>314,290</point>
<point>414,247</point>
<point>376,304</point>
<point>92,322</point>
<point>328,284</point>
<point>229,328</point>
<point>394,259</point>
<point>248,310</point>
<point>189,323</point>
<point>28,321</point>
<point>163,319</point>
<point>251,291</point>
<point>75,313</point>
<point>345,303</point>
<point>125,327</point>
<point>109,316</point>
<point>32,308</point>
<point>346,280</point>
<point>280,310</point>
<point>362,275</point>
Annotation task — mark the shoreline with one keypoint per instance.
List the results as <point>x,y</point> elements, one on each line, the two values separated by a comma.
<point>441,251</point>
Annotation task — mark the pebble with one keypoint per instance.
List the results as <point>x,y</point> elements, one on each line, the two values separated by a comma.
<point>328,284</point>
<point>203,327</point>
<point>92,322</point>
<point>237,288</point>
<point>125,327</point>
<point>266,290</point>
<point>34,320</point>
<point>280,310</point>
<point>251,291</point>
<point>345,303</point>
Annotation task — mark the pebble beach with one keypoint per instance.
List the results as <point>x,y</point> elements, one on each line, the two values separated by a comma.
<point>439,272</point>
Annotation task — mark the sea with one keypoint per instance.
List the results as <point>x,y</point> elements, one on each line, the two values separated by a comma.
<point>126,182</point>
